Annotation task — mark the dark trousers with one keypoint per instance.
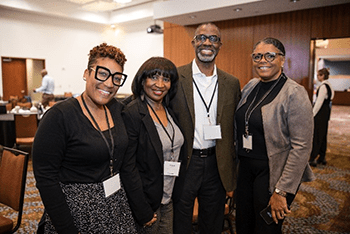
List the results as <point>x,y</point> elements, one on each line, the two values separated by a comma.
<point>319,144</point>
<point>202,181</point>
<point>252,196</point>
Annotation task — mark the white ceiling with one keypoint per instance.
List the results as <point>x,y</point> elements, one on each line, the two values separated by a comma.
<point>183,12</point>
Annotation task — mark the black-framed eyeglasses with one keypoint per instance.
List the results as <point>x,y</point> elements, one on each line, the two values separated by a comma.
<point>103,73</point>
<point>202,38</point>
<point>269,56</point>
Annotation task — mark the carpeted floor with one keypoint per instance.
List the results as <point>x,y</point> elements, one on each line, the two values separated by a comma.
<point>321,206</point>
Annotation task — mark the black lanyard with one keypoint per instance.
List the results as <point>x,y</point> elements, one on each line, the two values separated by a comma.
<point>250,109</point>
<point>110,148</point>
<point>171,138</point>
<point>212,96</point>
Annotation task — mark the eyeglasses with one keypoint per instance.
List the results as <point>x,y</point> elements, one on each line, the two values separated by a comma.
<point>202,38</point>
<point>103,73</point>
<point>269,56</point>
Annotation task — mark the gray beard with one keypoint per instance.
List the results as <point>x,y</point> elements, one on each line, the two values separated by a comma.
<point>206,59</point>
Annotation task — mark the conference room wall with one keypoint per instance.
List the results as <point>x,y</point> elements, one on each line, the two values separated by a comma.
<point>64,45</point>
<point>295,29</point>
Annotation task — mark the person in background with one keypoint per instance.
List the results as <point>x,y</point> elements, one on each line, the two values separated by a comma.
<point>322,114</point>
<point>155,153</point>
<point>274,140</point>
<point>78,154</point>
<point>47,88</point>
<point>205,104</point>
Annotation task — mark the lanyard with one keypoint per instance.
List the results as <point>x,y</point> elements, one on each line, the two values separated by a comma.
<point>212,96</point>
<point>110,148</point>
<point>171,138</point>
<point>250,109</point>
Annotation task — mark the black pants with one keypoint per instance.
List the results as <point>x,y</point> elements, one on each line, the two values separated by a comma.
<point>202,181</point>
<point>319,144</point>
<point>252,196</point>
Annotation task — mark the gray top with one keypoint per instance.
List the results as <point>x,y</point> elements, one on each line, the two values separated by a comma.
<point>167,154</point>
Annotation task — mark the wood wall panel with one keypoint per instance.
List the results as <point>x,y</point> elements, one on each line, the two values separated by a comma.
<point>294,29</point>
<point>177,43</point>
<point>234,56</point>
<point>331,22</point>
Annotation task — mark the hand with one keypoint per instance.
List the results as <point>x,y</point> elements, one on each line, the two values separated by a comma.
<point>279,208</point>
<point>153,220</point>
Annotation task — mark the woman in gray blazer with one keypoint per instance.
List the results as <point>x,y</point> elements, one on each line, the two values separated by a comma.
<point>274,140</point>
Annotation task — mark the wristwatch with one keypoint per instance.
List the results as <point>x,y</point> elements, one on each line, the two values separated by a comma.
<point>280,192</point>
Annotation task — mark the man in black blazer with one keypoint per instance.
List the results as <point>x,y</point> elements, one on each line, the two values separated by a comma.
<point>205,104</point>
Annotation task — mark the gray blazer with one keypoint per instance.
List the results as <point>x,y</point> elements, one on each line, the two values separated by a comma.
<point>288,130</point>
<point>228,96</point>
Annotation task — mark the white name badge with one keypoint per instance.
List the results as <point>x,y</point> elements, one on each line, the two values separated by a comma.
<point>247,142</point>
<point>212,132</point>
<point>111,185</point>
<point>171,168</point>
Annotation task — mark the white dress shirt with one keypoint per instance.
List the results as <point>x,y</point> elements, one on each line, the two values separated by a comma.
<point>206,85</point>
<point>47,85</point>
<point>322,95</point>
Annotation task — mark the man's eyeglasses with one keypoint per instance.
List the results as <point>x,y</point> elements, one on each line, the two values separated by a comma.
<point>202,38</point>
<point>103,73</point>
<point>269,56</point>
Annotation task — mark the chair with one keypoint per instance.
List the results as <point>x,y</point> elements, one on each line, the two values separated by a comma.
<point>229,208</point>
<point>26,126</point>
<point>13,174</point>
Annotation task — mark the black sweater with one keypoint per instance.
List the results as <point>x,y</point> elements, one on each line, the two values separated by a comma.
<point>68,149</point>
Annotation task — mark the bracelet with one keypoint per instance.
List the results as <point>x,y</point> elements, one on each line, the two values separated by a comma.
<point>280,192</point>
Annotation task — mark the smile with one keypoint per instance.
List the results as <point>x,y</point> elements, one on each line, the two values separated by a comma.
<point>157,92</point>
<point>104,92</point>
<point>263,68</point>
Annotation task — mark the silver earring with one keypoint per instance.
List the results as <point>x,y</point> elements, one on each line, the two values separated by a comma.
<point>84,78</point>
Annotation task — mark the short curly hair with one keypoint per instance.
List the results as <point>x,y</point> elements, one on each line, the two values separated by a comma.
<point>106,51</point>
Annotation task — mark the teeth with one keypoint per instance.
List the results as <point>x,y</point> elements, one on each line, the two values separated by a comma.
<point>103,91</point>
<point>263,68</point>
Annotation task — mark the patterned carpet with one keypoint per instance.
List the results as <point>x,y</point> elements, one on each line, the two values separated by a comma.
<point>321,206</point>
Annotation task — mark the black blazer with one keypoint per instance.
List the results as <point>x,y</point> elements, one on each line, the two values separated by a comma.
<point>142,169</point>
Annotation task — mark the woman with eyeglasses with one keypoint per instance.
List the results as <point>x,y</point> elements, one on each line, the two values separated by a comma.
<point>274,140</point>
<point>154,159</point>
<point>78,154</point>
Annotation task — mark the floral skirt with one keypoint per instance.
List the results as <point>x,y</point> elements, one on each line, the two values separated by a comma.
<point>93,212</point>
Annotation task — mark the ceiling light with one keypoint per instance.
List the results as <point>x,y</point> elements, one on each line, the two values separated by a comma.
<point>193,16</point>
<point>237,9</point>
<point>100,6</point>
<point>122,1</point>
<point>80,1</point>
<point>294,0</point>
<point>155,29</point>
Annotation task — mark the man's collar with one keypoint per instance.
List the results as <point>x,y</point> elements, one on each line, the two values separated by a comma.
<point>195,69</point>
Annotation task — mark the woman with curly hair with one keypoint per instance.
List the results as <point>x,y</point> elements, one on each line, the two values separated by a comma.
<point>78,152</point>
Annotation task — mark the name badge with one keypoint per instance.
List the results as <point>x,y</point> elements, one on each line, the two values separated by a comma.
<point>171,168</point>
<point>247,142</point>
<point>111,185</point>
<point>212,132</point>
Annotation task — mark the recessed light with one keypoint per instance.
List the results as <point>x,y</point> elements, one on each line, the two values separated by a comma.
<point>294,0</point>
<point>237,9</point>
<point>193,16</point>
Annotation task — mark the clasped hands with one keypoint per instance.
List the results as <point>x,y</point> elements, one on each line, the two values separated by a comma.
<point>153,220</point>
